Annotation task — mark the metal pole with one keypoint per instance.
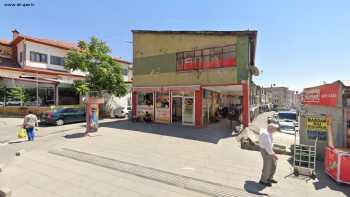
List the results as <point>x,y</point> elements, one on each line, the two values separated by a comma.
<point>37,91</point>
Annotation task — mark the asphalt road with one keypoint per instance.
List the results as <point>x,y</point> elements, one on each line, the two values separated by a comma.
<point>47,137</point>
<point>278,137</point>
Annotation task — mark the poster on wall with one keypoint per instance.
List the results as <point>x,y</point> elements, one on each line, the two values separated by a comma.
<point>316,127</point>
<point>162,107</point>
<point>144,104</point>
<point>326,95</point>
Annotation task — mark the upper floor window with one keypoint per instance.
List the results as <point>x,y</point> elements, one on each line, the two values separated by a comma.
<point>125,72</point>
<point>20,57</point>
<point>55,60</point>
<point>215,57</point>
<point>38,57</point>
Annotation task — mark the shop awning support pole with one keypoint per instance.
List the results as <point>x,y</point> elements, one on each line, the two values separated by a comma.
<point>37,91</point>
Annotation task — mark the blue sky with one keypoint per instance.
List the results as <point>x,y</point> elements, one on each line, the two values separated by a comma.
<point>300,43</point>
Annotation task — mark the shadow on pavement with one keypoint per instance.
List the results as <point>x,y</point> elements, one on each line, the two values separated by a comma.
<point>322,179</point>
<point>75,135</point>
<point>325,181</point>
<point>17,141</point>
<point>254,188</point>
<point>212,134</point>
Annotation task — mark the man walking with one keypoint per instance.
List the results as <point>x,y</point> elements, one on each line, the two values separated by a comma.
<point>269,157</point>
<point>29,123</point>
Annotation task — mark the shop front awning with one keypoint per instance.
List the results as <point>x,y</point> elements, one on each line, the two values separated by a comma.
<point>234,90</point>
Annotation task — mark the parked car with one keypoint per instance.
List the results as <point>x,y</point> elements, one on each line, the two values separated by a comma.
<point>288,116</point>
<point>13,103</point>
<point>62,116</point>
<point>120,112</point>
<point>287,127</point>
<point>272,119</point>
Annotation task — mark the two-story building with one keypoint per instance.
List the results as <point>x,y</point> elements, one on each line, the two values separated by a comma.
<point>37,65</point>
<point>185,77</point>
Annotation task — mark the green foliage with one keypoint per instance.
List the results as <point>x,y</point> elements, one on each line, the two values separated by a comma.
<point>19,93</point>
<point>81,87</point>
<point>2,92</point>
<point>103,73</point>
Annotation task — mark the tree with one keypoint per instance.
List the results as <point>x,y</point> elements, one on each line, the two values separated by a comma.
<point>19,93</point>
<point>103,73</point>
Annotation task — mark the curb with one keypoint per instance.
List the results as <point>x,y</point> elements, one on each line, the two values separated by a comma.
<point>5,192</point>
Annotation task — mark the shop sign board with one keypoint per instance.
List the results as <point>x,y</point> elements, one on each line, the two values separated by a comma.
<point>326,95</point>
<point>316,127</point>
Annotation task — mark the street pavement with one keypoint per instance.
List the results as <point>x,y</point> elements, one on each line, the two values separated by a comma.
<point>210,156</point>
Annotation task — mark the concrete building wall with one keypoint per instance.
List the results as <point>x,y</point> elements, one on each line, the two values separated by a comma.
<point>154,44</point>
<point>155,59</point>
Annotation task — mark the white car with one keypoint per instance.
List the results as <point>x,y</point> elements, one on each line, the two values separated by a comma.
<point>120,112</point>
<point>287,127</point>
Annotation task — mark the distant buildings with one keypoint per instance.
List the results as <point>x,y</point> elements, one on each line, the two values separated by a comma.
<point>282,97</point>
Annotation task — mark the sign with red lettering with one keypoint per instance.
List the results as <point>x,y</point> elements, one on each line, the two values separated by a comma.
<point>326,95</point>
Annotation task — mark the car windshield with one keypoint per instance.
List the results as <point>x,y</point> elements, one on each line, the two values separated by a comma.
<point>287,127</point>
<point>287,115</point>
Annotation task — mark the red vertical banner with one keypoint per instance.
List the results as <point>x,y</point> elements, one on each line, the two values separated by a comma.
<point>245,115</point>
<point>133,103</point>
<point>198,108</point>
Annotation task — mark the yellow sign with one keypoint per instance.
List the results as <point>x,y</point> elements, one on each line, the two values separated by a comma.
<point>316,124</point>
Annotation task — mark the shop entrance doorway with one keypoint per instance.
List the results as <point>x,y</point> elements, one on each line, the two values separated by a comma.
<point>177,110</point>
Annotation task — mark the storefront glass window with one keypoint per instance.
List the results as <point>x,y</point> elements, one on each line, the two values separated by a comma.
<point>145,104</point>
<point>67,96</point>
<point>145,99</point>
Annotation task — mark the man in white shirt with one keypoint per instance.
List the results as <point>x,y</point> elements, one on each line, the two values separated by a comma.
<point>269,157</point>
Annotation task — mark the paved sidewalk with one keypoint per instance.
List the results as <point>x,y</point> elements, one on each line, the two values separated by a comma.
<point>205,154</point>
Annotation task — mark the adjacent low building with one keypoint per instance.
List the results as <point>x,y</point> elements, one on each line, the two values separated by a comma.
<point>184,77</point>
<point>37,64</point>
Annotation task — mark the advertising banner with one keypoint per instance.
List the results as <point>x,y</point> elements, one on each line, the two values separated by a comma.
<point>317,127</point>
<point>326,95</point>
<point>162,107</point>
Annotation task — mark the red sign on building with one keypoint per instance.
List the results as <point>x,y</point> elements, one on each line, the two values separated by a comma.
<point>326,95</point>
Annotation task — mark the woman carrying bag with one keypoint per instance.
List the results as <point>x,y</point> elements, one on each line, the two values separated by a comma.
<point>29,123</point>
